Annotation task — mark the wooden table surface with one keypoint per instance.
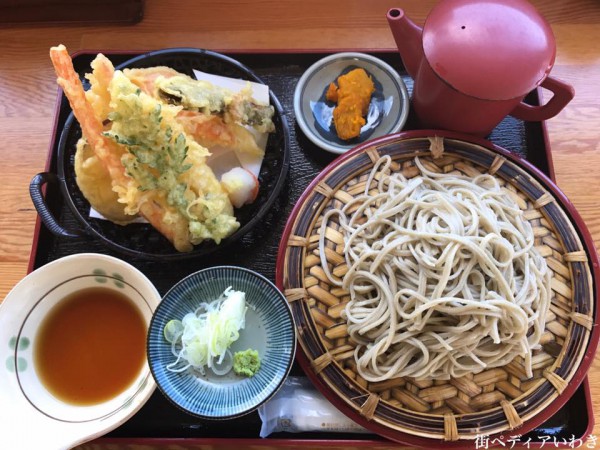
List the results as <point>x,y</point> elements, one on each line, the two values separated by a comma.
<point>28,89</point>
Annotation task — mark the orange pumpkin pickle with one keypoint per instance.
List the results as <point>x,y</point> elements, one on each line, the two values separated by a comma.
<point>352,95</point>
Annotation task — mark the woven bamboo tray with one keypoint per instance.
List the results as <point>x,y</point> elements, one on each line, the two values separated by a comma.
<point>459,409</point>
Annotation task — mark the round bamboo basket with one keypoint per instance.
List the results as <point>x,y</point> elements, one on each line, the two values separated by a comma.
<point>450,412</point>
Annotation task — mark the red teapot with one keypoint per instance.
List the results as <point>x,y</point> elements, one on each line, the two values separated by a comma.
<point>474,61</point>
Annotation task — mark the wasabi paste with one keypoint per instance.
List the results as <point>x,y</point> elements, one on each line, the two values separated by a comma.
<point>246,362</point>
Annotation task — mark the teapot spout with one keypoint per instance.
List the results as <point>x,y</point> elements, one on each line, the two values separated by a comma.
<point>408,37</point>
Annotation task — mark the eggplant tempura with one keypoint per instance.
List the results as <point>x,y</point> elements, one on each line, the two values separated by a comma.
<point>150,151</point>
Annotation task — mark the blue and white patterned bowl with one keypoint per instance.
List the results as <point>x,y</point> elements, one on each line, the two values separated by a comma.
<point>269,329</point>
<point>388,109</point>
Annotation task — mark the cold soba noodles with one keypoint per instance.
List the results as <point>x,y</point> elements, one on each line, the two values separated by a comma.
<point>443,275</point>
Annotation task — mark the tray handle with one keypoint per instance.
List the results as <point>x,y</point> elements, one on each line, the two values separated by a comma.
<point>37,197</point>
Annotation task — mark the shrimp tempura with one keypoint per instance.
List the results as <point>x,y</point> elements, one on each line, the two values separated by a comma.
<point>107,150</point>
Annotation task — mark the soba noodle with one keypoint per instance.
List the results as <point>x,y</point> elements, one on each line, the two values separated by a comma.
<point>443,276</point>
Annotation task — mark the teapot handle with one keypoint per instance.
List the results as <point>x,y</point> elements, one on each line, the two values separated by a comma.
<point>563,94</point>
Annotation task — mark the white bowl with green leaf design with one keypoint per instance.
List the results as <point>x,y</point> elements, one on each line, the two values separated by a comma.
<point>31,416</point>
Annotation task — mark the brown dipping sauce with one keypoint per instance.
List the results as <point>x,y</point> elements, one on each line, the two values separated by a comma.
<point>91,346</point>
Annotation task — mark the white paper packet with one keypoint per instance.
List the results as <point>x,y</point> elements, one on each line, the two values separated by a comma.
<point>298,407</point>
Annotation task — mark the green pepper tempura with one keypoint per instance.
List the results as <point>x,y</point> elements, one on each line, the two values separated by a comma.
<point>246,362</point>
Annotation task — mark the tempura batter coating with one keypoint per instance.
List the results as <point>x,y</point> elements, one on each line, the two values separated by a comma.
<point>96,185</point>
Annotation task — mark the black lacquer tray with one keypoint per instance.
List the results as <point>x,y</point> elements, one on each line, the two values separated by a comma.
<point>158,422</point>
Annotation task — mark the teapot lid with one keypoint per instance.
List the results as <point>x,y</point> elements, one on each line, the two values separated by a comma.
<point>490,49</point>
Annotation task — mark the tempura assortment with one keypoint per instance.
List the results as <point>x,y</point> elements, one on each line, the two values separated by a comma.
<point>147,135</point>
